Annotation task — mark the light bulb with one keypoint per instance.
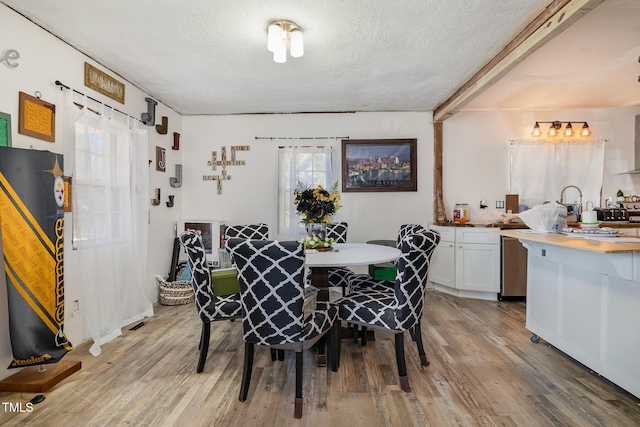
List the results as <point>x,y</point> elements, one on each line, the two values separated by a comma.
<point>273,37</point>
<point>297,43</point>
<point>585,130</point>
<point>280,55</point>
<point>536,130</point>
<point>568,131</point>
<point>552,130</point>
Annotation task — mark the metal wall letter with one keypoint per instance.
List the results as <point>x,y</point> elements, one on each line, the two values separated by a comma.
<point>9,56</point>
<point>177,181</point>
<point>160,159</point>
<point>162,129</point>
<point>149,118</point>
<point>156,201</point>
<point>176,141</point>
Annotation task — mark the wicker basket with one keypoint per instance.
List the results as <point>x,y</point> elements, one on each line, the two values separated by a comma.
<point>175,293</point>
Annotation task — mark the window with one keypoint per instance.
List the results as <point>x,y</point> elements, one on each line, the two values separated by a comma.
<point>307,165</point>
<point>101,182</point>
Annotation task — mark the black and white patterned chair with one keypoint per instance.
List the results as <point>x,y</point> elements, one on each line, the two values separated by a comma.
<point>337,276</point>
<point>210,307</point>
<point>399,309</point>
<point>251,231</point>
<point>271,276</point>
<point>359,282</point>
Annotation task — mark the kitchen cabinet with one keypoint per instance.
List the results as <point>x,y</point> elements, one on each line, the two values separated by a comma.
<point>467,262</point>
<point>442,268</point>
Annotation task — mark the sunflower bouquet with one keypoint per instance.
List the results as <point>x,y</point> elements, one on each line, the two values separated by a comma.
<point>316,205</point>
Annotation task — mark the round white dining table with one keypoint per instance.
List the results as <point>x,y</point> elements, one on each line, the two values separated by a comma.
<point>346,254</point>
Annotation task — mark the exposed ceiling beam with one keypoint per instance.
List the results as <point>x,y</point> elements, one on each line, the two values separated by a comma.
<point>555,18</point>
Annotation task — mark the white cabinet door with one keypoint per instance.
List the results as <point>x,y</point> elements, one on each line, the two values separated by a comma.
<point>477,267</point>
<point>442,265</point>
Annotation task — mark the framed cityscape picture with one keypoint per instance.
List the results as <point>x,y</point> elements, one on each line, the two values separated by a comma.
<point>379,165</point>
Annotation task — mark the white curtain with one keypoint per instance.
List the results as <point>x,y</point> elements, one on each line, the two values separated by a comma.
<point>541,169</point>
<point>310,166</point>
<point>110,216</point>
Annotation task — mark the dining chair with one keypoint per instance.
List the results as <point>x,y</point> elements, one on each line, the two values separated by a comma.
<point>337,276</point>
<point>210,307</point>
<point>400,308</point>
<point>258,231</point>
<point>271,276</point>
<point>360,282</point>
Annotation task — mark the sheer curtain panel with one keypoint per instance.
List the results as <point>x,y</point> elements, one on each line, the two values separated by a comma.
<point>310,166</point>
<point>110,212</point>
<point>541,169</point>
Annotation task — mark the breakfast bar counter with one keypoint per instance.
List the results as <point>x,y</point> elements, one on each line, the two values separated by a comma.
<point>583,297</point>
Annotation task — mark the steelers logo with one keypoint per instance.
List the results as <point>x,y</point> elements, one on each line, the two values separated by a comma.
<point>58,191</point>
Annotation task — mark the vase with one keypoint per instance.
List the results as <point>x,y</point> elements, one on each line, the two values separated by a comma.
<point>318,230</point>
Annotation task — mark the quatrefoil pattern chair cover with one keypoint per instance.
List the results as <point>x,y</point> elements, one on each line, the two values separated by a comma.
<point>338,276</point>
<point>401,309</point>
<point>359,282</point>
<point>408,229</point>
<point>251,231</point>
<point>271,277</point>
<point>210,307</point>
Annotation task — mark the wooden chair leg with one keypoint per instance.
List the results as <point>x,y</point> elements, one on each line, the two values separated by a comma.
<point>274,354</point>
<point>402,366</point>
<point>335,346</point>
<point>363,336</point>
<point>412,331</point>
<point>204,345</point>
<point>321,347</point>
<point>355,334</point>
<point>281,355</point>
<point>297,412</point>
<point>246,373</point>
<point>418,340</point>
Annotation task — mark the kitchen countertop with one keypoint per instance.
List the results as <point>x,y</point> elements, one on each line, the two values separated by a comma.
<point>605,245</point>
<point>517,226</point>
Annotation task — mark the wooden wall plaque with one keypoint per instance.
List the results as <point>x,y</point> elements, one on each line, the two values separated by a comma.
<point>37,118</point>
<point>103,83</point>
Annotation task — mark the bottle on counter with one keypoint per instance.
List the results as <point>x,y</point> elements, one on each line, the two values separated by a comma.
<point>461,213</point>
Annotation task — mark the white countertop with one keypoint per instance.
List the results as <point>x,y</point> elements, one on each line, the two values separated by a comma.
<point>618,244</point>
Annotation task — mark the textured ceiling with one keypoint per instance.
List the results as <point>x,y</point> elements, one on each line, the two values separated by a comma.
<point>210,57</point>
<point>594,63</point>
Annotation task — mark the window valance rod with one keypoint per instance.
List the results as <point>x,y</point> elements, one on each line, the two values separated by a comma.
<point>62,85</point>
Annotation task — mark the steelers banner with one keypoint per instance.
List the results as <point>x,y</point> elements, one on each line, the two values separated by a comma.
<point>31,221</point>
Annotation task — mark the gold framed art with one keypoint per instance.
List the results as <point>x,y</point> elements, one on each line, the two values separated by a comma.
<point>103,83</point>
<point>36,118</point>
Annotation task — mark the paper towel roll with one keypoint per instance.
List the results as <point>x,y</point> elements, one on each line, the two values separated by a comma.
<point>589,217</point>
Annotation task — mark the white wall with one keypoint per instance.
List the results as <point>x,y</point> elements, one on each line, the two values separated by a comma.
<point>43,60</point>
<point>476,152</point>
<point>251,195</point>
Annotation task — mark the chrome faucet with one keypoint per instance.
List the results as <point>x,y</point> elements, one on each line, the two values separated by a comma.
<point>579,191</point>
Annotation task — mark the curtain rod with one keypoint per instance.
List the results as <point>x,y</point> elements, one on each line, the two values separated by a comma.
<point>62,85</point>
<point>301,137</point>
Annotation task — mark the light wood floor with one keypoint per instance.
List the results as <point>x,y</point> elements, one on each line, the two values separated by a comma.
<point>484,371</point>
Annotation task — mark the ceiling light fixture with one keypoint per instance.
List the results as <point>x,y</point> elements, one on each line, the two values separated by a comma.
<point>555,126</point>
<point>282,34</point>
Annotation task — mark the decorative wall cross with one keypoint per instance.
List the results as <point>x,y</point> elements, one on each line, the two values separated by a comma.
<point>223,163</point>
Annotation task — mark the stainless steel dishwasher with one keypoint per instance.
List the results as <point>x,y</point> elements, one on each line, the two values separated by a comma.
<point>514,269</point>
